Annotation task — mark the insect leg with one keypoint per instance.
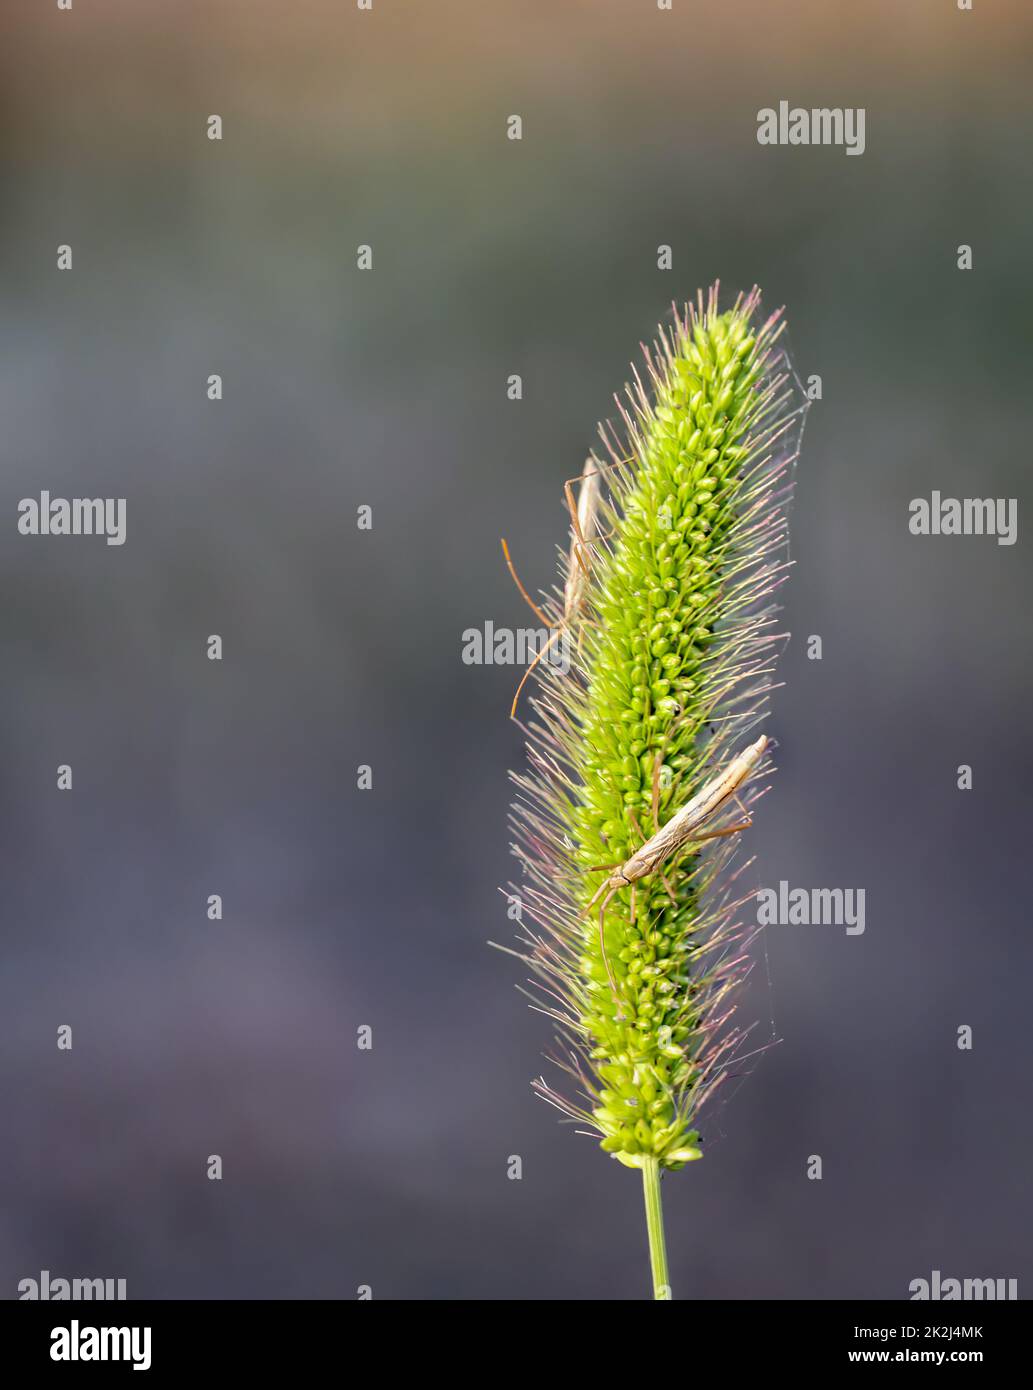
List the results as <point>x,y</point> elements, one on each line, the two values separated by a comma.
<point>583,522</point>
<point>661,754</point>
<point>667,887</point>
<point>581,544</point>
<point>526,596</point>
<point>606,883</point>
<point>716,834</point>
<point>534,663</point>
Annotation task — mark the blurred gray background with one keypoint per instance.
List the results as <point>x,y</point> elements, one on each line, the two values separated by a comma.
<point>343,908</point>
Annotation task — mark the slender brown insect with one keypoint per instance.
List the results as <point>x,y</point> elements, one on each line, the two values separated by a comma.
<point>683,827</point>
<point>583,528</point>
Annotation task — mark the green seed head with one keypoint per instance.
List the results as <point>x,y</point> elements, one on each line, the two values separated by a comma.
<point>675,645</point>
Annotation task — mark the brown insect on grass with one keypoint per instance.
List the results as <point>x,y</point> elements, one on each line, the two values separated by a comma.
<point>584,513</point>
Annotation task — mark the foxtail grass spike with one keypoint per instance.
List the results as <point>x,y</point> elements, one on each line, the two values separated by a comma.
<point>673,643</point>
